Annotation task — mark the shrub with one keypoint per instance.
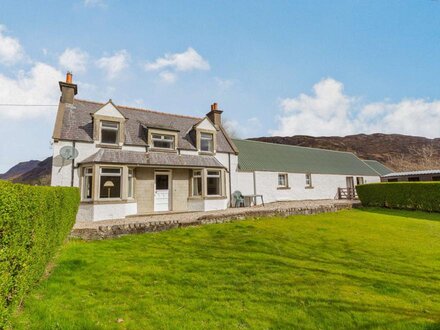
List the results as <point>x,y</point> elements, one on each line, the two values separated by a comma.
<point>423,196</point>
<point>34,221</point>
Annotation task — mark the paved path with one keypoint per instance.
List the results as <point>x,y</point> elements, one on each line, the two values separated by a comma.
<point>193,217</point>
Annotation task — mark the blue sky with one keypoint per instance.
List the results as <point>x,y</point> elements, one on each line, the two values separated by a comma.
<point>274,67</point>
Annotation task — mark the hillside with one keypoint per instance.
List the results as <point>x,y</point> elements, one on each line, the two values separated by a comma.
<point>398,152</point>
<point>33,172</point>
<point>19,169</point>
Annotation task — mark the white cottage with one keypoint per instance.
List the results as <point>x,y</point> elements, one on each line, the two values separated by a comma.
<point>129,161</point>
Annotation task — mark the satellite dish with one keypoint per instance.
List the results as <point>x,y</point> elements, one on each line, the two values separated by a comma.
<point>68,152</point>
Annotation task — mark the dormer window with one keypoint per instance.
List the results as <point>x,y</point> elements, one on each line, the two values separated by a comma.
<point>163,141</point>
<point>109,132</point>
<point>207,142</point>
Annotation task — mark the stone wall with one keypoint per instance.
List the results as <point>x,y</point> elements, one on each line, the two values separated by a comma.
<point>111,231</point>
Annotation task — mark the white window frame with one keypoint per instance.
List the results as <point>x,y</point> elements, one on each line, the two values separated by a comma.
<point>101,174</point>
<point>163,138</point>
<point>286,180</point>
<point>87,173</point>
<point>130,183</point>
<point>211,139</point>
<point>103,122</point>
<point>309,182</point>
<point>219,176</point>
<point>197,174</point>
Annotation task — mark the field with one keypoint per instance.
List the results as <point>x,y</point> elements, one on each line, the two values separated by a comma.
<point>364,269</point>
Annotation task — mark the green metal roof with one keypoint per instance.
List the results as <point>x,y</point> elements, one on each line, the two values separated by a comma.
<point>263,156</point>
<point>378,167</point>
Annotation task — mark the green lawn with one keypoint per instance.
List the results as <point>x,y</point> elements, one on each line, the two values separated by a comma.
<point>363,269</point>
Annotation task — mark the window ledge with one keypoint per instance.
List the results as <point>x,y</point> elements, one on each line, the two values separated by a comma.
<point>171,151</point>
<point>206,153</point>
<point>110,146</point>
<point>283,188</point>
<point>308,187</point>
<point>195,198</point>
<point>215,197</point>
<point>109,201</point>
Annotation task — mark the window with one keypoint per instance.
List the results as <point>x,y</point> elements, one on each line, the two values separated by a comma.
<point>207,142</point>
<point>163,141</point>
<point>130,183</point>
<point>110,183</point>
<point>109,132</point>
<point>436,178</point>
<point>87,183</point>
<point>414,178</point>
<point>213,183</point>
<point>308,180</point>
<point>197,183</point>
<point>359,180</point>
<point>392,180</point>
<point>282,180</point>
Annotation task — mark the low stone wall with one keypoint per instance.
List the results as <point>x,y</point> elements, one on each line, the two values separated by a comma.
<point>110,231</point>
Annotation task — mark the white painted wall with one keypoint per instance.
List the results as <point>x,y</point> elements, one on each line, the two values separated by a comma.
<point>205,124</point>
<point>109,110</point>
<point>207,204</point>
<point>62,169</point>
<point>325,186</point>
<point>97,212</point>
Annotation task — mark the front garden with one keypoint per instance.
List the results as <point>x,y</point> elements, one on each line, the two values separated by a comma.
<point>369,268</point>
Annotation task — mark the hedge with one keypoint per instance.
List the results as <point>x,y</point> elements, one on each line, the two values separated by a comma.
<point>34,222</point>
<point>423,196</point>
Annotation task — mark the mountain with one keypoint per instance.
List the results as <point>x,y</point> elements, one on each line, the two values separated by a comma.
<point>33,172</point>
<point>398,152</point>
<point>19,169</point>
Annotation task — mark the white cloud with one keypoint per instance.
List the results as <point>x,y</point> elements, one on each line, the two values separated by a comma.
<point>328,111</point>
<point>186,61</point>
<point>11,50</point>
<point>170,64</point>
<point>74,59</point>
<point>114,65</point>
<point>38,86</point>
<point>168,77</point>
<point>95,3</point>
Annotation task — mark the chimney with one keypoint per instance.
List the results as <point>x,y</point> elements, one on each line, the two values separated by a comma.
<point>215,115</point>
<point>68,89</point>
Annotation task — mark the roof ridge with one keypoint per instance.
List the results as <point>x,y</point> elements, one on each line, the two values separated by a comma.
<point>142,109</point>
<point>295,146</point>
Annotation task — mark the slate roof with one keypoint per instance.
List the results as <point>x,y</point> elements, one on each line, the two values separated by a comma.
<point>77,125</point>
<point>110,156</point>
<point>263,156</point>
<point>378,167</point>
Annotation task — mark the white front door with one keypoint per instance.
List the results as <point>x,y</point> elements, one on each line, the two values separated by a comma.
<point>161,191</point>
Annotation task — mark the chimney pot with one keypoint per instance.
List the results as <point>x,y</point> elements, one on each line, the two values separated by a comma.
<point>69,77</point>
<point>215,115</point>
<point>68,89</point>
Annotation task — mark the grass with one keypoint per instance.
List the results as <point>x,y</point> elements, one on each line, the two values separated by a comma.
<point>364,269</point>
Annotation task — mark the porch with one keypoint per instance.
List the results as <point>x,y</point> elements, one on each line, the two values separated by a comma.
<point>117,184</point>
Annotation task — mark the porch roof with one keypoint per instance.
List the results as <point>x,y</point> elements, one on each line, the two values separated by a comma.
<point>109,156</point>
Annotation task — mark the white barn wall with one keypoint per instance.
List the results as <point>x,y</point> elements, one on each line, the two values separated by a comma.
<point>325,186</point>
